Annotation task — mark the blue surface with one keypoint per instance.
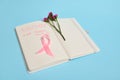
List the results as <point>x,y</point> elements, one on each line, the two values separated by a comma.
<point>100,17</point>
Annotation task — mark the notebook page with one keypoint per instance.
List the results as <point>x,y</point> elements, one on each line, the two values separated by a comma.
<point>40,46</point>
<point>77,43</point>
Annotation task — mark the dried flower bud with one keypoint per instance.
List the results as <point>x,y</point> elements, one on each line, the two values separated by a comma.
<point>45,20</point>
<point>55,16</point>
<point>50,16</point>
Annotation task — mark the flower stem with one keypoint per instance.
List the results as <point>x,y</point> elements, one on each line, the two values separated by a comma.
<point>58,31</point>
<point>62,36</point>
<point>58,25</point>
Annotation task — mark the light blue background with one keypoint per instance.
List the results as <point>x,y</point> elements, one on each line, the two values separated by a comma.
<point>100,17</point>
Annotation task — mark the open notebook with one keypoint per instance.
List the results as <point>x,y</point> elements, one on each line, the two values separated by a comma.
<point>42,46</point>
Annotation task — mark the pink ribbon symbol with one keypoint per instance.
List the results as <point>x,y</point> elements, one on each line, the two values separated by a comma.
<point>45,40</point>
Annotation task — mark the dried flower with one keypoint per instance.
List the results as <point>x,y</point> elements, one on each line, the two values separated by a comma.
<point>51,19</point>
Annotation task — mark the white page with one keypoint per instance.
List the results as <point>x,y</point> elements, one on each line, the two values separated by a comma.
<point>77,43</point>
<point>31,42</point>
